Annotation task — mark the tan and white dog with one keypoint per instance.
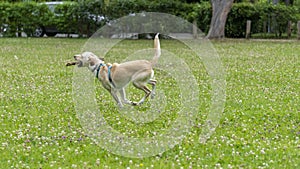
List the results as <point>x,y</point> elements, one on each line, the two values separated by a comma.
<point>116,77</point>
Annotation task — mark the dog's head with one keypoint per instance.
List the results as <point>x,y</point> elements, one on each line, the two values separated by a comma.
<point>87,59</point>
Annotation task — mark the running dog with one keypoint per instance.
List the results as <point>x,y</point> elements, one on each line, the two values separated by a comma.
<point>115,77</point>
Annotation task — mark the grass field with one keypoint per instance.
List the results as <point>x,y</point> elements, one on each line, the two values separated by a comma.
<point>260,126</point>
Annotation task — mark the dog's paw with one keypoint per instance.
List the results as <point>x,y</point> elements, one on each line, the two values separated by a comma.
<point>120,106</point>
<point>134,103</point>
<point>127,101</point>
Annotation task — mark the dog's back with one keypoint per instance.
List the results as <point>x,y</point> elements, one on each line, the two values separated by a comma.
<point>131,71</point>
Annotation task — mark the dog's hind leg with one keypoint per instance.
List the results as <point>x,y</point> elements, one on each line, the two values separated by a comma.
<point>153,83</point>
<point>145,89</point>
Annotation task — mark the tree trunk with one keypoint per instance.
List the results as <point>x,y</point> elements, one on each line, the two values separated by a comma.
<point>220,9</point>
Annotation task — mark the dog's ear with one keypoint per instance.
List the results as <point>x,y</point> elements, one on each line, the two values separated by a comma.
<point>91,61</point>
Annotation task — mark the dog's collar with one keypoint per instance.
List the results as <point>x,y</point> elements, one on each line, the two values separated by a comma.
<point>108,72</point>
<point>109,75</point>
<point>98,69</point>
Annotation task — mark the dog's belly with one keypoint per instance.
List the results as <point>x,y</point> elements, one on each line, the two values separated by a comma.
<point>121,83</point>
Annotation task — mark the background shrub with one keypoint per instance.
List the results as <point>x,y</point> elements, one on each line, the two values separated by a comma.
<point>120,8</point>
<point>4,7</point>
<point>23,17</point>
<point>85,17</point>
<point>277,16</point>
<point>66,17</point>
<point>90,16</point>
<point>202,13</point>
<point>237,19</point>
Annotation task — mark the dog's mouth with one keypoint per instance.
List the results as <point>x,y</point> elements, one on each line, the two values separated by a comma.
<point>79,63</point>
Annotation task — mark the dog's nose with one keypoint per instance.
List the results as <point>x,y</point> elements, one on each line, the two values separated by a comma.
<point>75,57</point>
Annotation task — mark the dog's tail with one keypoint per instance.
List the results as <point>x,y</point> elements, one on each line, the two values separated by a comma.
<point>157,52</point>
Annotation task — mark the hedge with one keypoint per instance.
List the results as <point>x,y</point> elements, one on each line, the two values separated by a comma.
<point>237,18</point>
<point>70,17</point>
<point>277,16</point>
<point>258,13</point>
<point>23,17</point>
<point>83,17</point>
<point>119,8</point>
<point>202,13</point>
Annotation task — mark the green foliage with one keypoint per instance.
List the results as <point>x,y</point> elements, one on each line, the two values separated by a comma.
<point>260,14</point>
<point>66,17</point>
<point>278,16</point>
<point>119,8</point>
<point>202,13</point>
<point>32,16</point>
<point>23,17</point>
<point>85,17</point>
<point>237,18</point>
<point>90,15</point>
<point>4,15</point>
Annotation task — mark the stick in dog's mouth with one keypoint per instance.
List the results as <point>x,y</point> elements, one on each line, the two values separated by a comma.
<point>72,63</point>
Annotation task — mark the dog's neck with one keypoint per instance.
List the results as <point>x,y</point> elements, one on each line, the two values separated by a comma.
<point>96,68</point>
<point>94,64</point>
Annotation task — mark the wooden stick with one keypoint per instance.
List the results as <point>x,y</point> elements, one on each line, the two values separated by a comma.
<point>71,63</point>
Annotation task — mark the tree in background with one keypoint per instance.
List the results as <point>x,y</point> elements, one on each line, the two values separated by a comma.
<point>220,9</point>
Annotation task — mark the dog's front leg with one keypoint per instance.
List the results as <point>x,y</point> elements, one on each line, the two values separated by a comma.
<point>124,99</point>
<point>115,96</point>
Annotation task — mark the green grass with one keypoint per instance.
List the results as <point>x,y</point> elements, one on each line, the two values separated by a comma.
<point>260,126</point>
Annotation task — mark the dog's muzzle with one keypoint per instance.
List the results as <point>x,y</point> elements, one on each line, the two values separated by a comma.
<point>79,63</point>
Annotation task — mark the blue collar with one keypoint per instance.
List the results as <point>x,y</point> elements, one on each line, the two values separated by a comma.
<point>98,69</point>
<point>108,73</point>
<point>109,76</point>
